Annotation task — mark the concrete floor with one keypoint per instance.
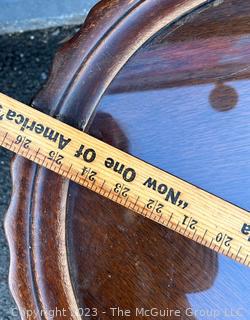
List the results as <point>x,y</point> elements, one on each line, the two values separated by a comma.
<point>25,60</point>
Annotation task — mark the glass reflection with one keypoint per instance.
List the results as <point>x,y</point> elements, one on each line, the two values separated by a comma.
<point>182,104</point>
<point>177,130</point>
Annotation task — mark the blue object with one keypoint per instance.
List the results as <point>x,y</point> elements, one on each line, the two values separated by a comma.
<point>24,15</point>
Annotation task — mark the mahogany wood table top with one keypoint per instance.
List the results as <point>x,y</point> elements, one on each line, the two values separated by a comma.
<point>168,82</point>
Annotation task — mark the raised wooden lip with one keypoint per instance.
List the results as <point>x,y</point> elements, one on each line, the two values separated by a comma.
<point>38,280</point>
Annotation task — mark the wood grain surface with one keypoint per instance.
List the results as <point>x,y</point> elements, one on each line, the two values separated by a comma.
<point>126,180</point>
<point>73,249</point>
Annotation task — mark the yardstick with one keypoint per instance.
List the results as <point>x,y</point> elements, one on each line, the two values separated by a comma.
<point>126,180</point>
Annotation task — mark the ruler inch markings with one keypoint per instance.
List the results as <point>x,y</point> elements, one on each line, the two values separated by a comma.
<point>214,216</point>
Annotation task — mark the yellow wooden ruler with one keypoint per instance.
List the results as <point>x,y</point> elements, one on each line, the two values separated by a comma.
<point>122,178</point>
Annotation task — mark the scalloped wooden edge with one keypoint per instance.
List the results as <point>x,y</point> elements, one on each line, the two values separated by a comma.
<point>24,225</point>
